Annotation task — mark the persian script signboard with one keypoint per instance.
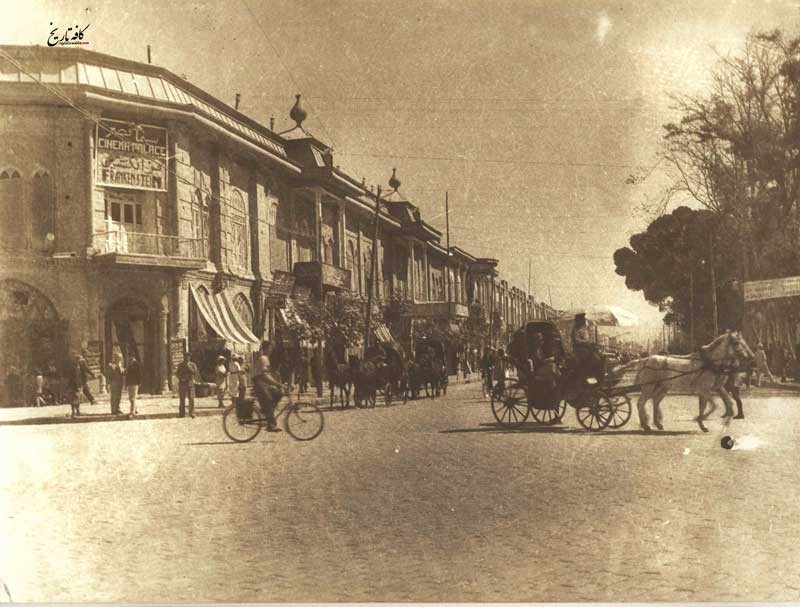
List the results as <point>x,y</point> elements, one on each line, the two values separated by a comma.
<point>131,155</point>
<point>772,289</point>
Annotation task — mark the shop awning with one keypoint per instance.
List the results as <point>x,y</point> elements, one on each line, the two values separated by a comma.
<point>383,334</point>
<point>219,313</point>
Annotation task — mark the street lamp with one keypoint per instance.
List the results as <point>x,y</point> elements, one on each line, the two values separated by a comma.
<point>394,183</point>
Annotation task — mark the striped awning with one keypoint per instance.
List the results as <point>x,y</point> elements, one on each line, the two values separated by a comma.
<point>383,334</point>
<point>219,313</point>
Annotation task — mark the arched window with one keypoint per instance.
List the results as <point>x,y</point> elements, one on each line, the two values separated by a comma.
<point>244,309</point>
<point>236,233</point>
<point>12,232</point>
<point>42,210</point>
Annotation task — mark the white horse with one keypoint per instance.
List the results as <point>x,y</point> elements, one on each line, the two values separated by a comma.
<point>702,373</point>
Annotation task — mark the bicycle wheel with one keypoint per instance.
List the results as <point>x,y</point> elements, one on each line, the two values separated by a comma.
<point>512,410</point>
<point>242,430</point>
<point>303,421</point>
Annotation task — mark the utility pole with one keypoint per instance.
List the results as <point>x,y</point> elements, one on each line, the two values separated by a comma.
<point>447,265</point>
<point>691,309</point>
<point>713,288</point>
<point>372,263</point>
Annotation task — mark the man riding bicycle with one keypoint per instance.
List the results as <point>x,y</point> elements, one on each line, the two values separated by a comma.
<point>267,387</point>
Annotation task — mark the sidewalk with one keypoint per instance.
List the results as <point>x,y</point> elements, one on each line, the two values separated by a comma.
<point>150,407</point>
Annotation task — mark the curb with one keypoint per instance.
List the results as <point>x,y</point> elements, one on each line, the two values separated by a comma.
<point>89,418</point>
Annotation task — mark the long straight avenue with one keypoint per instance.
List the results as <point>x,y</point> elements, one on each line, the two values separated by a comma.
<point>427,501</point>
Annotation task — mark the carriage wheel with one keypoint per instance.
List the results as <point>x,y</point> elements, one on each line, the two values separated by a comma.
<point>595,414</point>
<point>620,411</point>
<point>550,417</point>
<point>512,410</point>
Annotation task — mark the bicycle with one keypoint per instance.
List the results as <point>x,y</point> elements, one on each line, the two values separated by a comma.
<point>244,420</point>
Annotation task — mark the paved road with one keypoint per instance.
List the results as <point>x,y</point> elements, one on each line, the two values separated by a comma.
<point>429,501</point>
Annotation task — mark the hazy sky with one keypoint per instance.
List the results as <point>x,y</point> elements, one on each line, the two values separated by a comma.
<point>531,114</point>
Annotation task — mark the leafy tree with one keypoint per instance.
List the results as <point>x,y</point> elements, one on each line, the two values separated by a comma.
<point>670,263</point>
<point>736,151</point>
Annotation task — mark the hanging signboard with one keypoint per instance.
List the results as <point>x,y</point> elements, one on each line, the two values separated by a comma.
<point>131,155</point>
<point>756,290</point>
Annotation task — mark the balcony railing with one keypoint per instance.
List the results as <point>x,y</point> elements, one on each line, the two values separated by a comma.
<point>437,309</point>
<point>139,243</point>
<point>332,276</point>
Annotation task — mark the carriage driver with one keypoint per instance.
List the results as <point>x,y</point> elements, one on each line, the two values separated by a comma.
<point>582,344</point>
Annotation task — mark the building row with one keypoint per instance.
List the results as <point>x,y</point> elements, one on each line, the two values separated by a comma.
<point>137,211</point>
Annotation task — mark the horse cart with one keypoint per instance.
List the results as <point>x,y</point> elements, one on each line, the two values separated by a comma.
<point>549,379</point>
<point>430,368</point>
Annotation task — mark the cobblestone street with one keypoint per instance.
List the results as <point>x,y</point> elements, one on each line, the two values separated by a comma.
<point>427,501</point>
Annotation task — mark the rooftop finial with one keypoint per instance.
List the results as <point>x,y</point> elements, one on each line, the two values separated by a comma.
<point>394,182</point>
<point>297,113</point>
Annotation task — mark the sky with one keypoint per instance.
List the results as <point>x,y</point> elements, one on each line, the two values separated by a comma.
<point>531,115</point>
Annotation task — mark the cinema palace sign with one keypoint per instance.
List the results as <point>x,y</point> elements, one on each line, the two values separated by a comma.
<point>131,155</point>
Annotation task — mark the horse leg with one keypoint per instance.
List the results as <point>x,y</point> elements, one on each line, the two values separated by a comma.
<point>726,399</point>
<point>640,405</point>
<point>657,416</point>
<point>701,414</point>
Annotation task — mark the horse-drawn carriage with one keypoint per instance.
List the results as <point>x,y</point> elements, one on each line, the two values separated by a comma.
<point>429,369</point>
<point>549,379</point>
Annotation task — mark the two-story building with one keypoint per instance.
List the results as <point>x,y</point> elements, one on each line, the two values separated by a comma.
<point>139,213</point>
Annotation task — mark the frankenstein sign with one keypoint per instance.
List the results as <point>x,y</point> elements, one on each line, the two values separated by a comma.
<point>131,155</point>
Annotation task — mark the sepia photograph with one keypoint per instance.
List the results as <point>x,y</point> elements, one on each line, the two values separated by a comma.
<point>367,301</point>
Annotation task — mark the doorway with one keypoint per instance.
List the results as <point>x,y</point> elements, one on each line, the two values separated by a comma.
<point>131,330</point>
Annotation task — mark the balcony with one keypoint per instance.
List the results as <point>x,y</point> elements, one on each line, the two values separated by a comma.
<point>308,272</point>
<point>157,250</point>
<point>437,309</point>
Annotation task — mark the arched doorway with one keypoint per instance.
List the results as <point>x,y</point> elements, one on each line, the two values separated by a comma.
<point>31,337</point>
<point>131,329</point>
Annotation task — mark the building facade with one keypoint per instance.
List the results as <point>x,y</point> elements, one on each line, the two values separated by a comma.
<point>140,214</point>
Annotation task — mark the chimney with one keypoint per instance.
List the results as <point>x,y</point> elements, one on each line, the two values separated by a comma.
<point>148,54</point>
<point>236,101</point>
<point>272,123</point>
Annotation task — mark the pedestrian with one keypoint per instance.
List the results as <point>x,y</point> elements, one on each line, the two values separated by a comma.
<point>234,375</point>
<point>787,363</point>
<point>133,378</point>
<point>86,374</point>
<point>465,368</point>
<point>267,386</point>
<point>39,400</point>
<point>220,380</point>
<point>72,388</point>
<point>779,360</point>
<point>301,371</point>
<point>52,378</point>
<point>13,385</point>
<point>187,374</point>
<point>115,376</point>
<point>762,368</point>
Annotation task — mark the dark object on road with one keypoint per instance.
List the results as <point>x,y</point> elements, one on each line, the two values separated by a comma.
<point>727,442</point>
